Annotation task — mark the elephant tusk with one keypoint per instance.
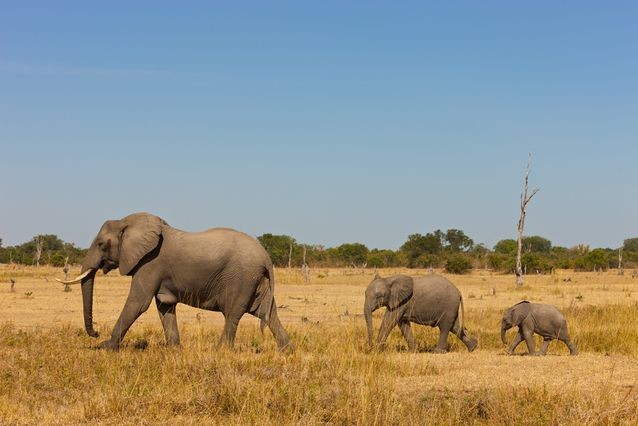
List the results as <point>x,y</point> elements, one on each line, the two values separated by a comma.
<point>76,280</point>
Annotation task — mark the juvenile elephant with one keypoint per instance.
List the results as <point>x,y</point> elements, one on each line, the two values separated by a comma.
<point>537,318</point>
<point>219,270</point>
<point>431,300</point>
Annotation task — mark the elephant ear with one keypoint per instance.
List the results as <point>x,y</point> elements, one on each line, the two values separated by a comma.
<point>401,287</point>
<point>520,311</point>
<point>139,237</point>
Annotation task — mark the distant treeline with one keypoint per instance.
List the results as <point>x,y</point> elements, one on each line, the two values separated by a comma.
<point>53,251</point>
<point>454,251</point>
<point>451,249</point>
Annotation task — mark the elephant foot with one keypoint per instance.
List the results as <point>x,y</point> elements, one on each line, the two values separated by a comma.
<point>472,344</point>
<point>141,344</point>
<point>109,345</point>
<point>574,352</point>
<point>225,343</point>
<point>379,347</point>
<point>287,349</point>
<point>439,351</point>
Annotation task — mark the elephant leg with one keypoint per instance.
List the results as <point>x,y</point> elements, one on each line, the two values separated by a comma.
<point>406,330</point>
<point>573,350</point>
<point>441,347</point>
<point>169,322</point>
<point>545,345</point>
<point>230,329</point>
<point>528,335</point>
<point>278,330</point>
<point>517,341</point>
<point>137,302</point>
<point>469,342</point>
<point>389,321</point>
<point>564,337</point>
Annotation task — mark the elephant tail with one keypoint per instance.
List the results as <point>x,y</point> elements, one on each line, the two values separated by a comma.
<point>268,302</point>
<point>462,322</point>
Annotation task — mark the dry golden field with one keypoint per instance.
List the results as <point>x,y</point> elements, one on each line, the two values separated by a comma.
<point>51,373</point>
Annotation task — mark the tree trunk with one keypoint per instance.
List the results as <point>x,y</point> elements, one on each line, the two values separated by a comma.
<point>290,256</point>
<point>38,250</point>
<point>521,224</point>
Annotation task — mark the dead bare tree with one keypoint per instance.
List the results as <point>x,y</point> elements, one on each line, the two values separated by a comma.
<point>290,256</point>
<point>305,269</point>
<point>621,270</point>
<point>38,249</point>
<point>525,199</point>
<point>66,268</point>
<point>304,256</point>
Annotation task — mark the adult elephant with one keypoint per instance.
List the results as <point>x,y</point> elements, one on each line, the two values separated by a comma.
<point>432,300</point>
<point>218,269</point>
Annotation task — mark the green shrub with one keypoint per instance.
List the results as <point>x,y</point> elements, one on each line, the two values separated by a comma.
<point>427,261</point>
<point>458,264</point>
<point>57,260</point>
<point>501,262</point>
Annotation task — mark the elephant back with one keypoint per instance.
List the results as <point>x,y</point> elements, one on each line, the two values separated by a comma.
<point>550,313</point>
<point>435,298</point>
<point>435,285</point>
<point>215,253</point>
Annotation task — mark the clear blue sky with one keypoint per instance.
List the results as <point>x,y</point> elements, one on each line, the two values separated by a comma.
<point>331,121</point>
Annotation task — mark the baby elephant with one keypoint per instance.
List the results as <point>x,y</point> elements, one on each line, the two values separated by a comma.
<point>431,300</point>
<point>537,318</point>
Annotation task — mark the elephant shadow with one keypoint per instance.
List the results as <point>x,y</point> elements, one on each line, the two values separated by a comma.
<point>135,345</point>
<point>520,354</point>
<point>526,354</point>
<point>422,349</point>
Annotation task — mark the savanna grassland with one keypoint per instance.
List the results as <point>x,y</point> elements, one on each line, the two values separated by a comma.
<point>51,373</point>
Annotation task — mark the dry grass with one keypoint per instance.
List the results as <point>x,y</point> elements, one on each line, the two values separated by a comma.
<point>50,372</point>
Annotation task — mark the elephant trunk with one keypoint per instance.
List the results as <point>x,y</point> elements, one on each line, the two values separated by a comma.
<point>367,313</point>
<point>504,328</point>
<point>87,301</point>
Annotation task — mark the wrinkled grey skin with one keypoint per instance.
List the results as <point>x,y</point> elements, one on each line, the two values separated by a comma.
<point>537,318</point>
<point>218,269</point>
<point>431,300</point>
